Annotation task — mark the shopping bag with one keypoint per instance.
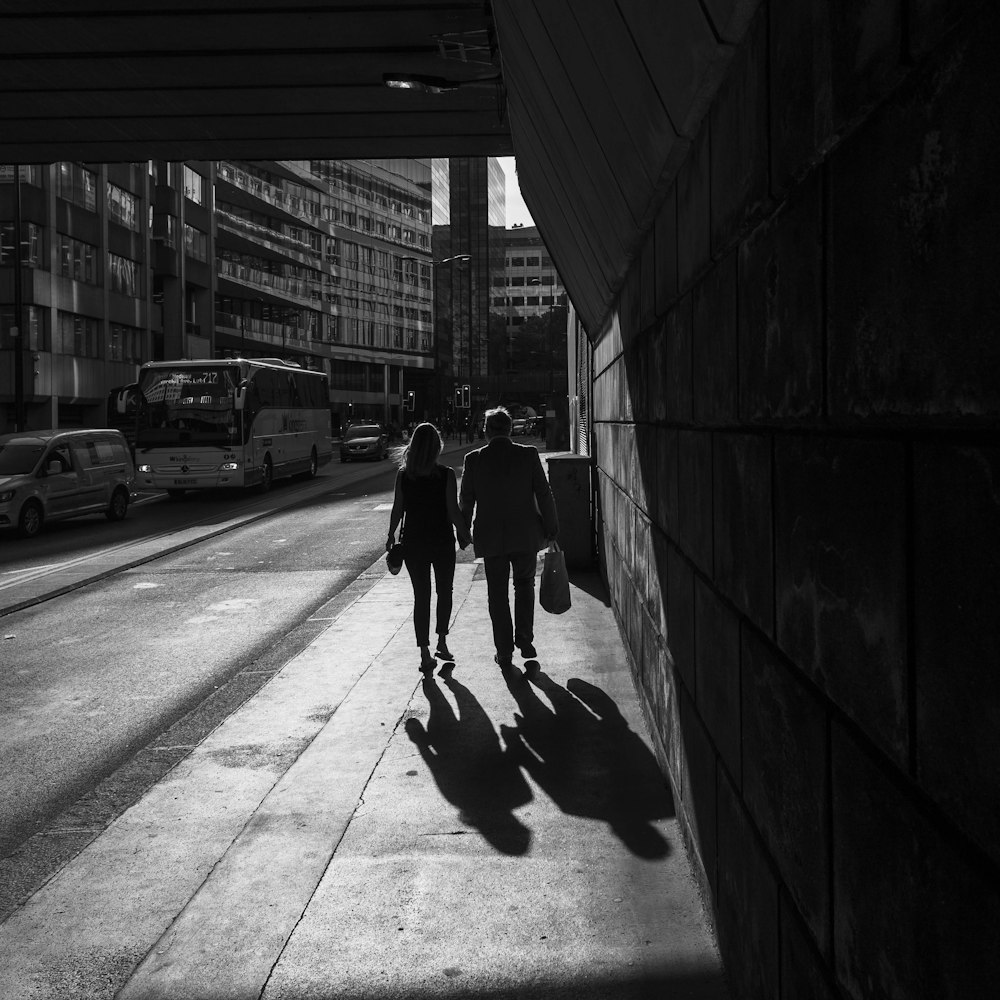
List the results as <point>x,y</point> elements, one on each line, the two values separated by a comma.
<point>553,592</point>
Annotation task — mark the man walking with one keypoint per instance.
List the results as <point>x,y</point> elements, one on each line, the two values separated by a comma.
<point>515,516</point>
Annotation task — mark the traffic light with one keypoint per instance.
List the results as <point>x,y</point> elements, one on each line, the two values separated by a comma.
<point>458,397</point>
<point>409,400</point>
<point>466,394</point>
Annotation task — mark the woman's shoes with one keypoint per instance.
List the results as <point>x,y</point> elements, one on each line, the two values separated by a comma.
<point>427,662</point>
<point>443,652</point>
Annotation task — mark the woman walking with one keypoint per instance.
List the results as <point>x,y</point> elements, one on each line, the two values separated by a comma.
<point>426,501</point>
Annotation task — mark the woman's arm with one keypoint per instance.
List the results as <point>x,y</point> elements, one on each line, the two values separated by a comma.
<point>397,511</point>
<point>455,512</point>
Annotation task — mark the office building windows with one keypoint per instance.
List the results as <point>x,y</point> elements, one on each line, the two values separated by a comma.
<point>78,260</point>
<point>78,185</point>
<point>123,275</point>
<point>195,243</point>
<point>125,344</point>
<point>122,207</point>
<point>194,186</point>
<point>76,336</point>
<point>35,319</point>
<point>32,249</point>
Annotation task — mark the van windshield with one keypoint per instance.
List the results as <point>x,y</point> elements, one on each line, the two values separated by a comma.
<point>19,459</point>
<point>187,406</point>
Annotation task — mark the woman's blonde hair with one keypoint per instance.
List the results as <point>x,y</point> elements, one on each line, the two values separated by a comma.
<point>421,454</point>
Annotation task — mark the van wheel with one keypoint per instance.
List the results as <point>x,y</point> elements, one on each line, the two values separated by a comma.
<point>30,521</point>
<point>313,464</point>
<point>266,474</point>
<point>118,507</point>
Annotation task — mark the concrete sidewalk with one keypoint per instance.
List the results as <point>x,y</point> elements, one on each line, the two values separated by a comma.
<point>355,830</point>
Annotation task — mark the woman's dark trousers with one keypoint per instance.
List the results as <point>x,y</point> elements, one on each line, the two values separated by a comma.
<point>419,560</point>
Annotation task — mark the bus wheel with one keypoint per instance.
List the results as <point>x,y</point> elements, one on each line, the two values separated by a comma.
<point>266,474</point>
<point>30,521</point>
<point>313,464</point>
<point>176,494</point>
<point>118,507</point>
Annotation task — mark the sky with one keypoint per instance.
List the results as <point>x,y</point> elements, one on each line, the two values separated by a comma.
<point>517,211</point>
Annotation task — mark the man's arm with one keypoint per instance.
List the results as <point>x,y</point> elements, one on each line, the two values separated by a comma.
<point>546,502</point>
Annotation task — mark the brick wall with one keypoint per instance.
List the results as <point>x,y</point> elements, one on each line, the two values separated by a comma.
<point>796,415</point>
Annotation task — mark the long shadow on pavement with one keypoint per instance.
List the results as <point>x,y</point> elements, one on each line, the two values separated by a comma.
<point>473,772</point>
<point>585,757</point>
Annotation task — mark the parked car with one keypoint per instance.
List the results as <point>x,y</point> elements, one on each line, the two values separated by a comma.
<point>51,475</point>
<point>364,441</point>
<point>519,427</point>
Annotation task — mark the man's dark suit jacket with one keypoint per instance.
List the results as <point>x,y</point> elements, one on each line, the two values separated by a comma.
<point>515,512</point>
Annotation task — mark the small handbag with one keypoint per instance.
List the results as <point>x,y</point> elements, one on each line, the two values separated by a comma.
<point>396,555</point>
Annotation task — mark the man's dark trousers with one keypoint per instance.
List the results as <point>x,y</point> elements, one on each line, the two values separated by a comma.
<point>498,571</point>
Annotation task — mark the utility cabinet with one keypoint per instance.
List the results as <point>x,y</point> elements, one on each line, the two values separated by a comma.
<point>569,477</point>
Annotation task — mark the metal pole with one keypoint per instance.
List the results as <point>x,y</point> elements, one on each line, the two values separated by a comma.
<point>18,309</point>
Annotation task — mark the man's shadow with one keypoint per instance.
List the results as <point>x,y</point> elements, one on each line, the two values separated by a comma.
<point>472,770</point>
<point>585,757</point>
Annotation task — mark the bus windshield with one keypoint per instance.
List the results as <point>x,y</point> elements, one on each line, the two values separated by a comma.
<point>188,406</point>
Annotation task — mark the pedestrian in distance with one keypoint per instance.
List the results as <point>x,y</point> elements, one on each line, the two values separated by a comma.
<point>515,516</point>
<point>426,502</point>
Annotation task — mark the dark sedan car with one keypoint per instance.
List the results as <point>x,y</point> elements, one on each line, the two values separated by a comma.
<point>364,441</point>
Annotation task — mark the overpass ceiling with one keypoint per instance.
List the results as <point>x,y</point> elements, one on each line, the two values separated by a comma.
<point>246,79</point>
<point>598,99</point>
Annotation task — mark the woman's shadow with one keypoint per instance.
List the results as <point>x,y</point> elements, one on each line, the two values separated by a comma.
<point>585,757</point>
<point>472,770</point>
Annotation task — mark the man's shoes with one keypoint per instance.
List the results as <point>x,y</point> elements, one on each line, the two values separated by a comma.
<point>504,662</point>
<point>443,652</point>
<point>527,650</point>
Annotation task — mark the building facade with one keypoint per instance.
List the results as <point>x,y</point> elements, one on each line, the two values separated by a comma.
<point>76,315</point>
<point>326,263</point>
<point>531,297</point>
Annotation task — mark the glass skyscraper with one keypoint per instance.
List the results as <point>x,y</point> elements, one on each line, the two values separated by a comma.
<point>468,215</point>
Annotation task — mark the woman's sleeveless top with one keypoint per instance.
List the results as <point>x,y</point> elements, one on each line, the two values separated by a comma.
<point>426,509</point>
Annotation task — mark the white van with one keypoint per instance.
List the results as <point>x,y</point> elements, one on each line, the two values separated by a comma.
<point>51,475</point>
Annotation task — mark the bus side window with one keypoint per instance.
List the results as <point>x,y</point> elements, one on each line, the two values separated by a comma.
<point>294,398</point>
<point>262,383</point>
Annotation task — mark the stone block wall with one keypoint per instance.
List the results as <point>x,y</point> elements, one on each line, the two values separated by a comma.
<point>796,438</point>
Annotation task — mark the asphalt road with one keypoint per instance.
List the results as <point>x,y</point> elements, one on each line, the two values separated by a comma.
<point>90,677</point>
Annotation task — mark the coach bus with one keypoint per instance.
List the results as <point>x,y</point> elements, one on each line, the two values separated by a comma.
<point>236,422</point>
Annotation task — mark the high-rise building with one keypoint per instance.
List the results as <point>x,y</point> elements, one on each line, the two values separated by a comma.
<point>468,261</point>
<point>325,262</point>
<point>534,305</point>
<point>76,284</point>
